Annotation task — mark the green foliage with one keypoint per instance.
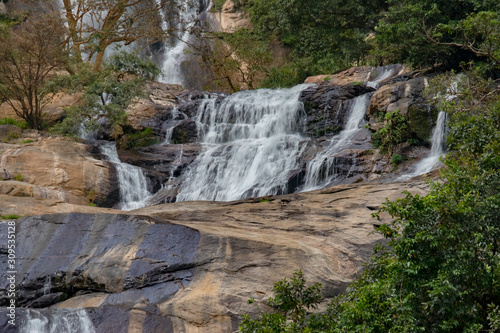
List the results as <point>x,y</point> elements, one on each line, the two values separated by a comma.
<point>394,132</point>
<point>396,159</point>
<point>10,217</point>
<point>291,304</point>
<point>331,34</point>
<point>106,94</point>
<point>10,121</point>
<point>142,138</point>
<point>26,141</point>
<point>19,177</point>
<point>423,33</point>
<point>179,137</point>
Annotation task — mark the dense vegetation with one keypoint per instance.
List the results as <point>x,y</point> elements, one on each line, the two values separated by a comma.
<point>325,36</point>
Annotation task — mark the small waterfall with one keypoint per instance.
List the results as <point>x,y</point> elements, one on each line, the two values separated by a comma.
<point>56,321</point>
<point>320,171</point>
<point>438,143</point>
<point>133,184</point>
<point>173,57</point>
<point>250,146</point>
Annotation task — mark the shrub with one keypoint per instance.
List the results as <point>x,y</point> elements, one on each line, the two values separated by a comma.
<point>396,159</point>
<point>394,132</point>
<point>10,217</point>
<point>19,177</point>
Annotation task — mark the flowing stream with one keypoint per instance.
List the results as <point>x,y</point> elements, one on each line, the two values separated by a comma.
<point>133,184</point>
<point>438,148</point>
<point>320,171</point>
<point>56,321</point>
<point>251,145</point>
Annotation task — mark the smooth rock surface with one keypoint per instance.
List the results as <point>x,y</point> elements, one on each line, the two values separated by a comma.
<point>56,168</point>
<point>191,267</point>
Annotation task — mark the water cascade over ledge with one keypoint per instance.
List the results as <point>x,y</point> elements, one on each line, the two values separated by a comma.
<point>133,184</point>
<point>252,143</point>
<point>321,170</point>
<point>438,148</point>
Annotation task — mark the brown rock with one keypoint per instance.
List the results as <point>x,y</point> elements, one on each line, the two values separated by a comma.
<point>230,18</point>
<point>361,74</point>
<point>59,168</point>
<point>197,262</point>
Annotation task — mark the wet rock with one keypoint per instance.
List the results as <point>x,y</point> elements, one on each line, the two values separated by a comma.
<point>326,107</point>
<point>153,111</point>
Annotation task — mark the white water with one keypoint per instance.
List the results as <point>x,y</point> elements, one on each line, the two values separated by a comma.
<point>175,54</point>
<point>321,170</point>
<point>133,184</point>
<point>57,321</point>
<point>438,141</point>
<point>384,73</point>
<point>250,145</point>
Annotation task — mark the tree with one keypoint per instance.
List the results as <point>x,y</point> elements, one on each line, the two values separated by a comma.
<point>105,94</point>
<point>330,34</point>
<point>95,25</point>
<point>291,302</point>
<point>420,33</point>
<point>235,61</point>
<point>31,53</point>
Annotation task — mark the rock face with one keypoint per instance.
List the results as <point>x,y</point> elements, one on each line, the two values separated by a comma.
<point>325,107</point>
<point>189,267</point>
<point>156,109</point>
<point>407,97</point>
<point>360,75</point>
<point>57,169</point>
<point>230,18</point>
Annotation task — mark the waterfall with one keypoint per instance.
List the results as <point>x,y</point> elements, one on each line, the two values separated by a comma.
<point>174,55</point>
<point>133,184</point>
<point>438,141</point>
<point>56,320</point>
<point>320,171</point>
<point>250,143</point>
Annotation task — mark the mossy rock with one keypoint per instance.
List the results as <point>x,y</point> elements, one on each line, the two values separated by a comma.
<point>422,119</point>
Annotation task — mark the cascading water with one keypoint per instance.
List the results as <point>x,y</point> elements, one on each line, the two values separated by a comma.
<point>188,12</point>
<point>320,171</point>
<point>58,320</point>
<point>438,141</point>
<point>133,184</point>
<point>251,145</point>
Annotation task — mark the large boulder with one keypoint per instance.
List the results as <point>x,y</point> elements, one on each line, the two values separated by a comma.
<point>407,97</point>
<point>154,110</point>
<point>188,267</point>
<point>56,168</point>
<point>230,18</point>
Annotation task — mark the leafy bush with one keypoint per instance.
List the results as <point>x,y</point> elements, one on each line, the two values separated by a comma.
<point>11,121</point>
<point>396,159</point>
<point>291,302</point>
<point>106,94</point>
<point>10,217</point>
<point>394,132</point>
